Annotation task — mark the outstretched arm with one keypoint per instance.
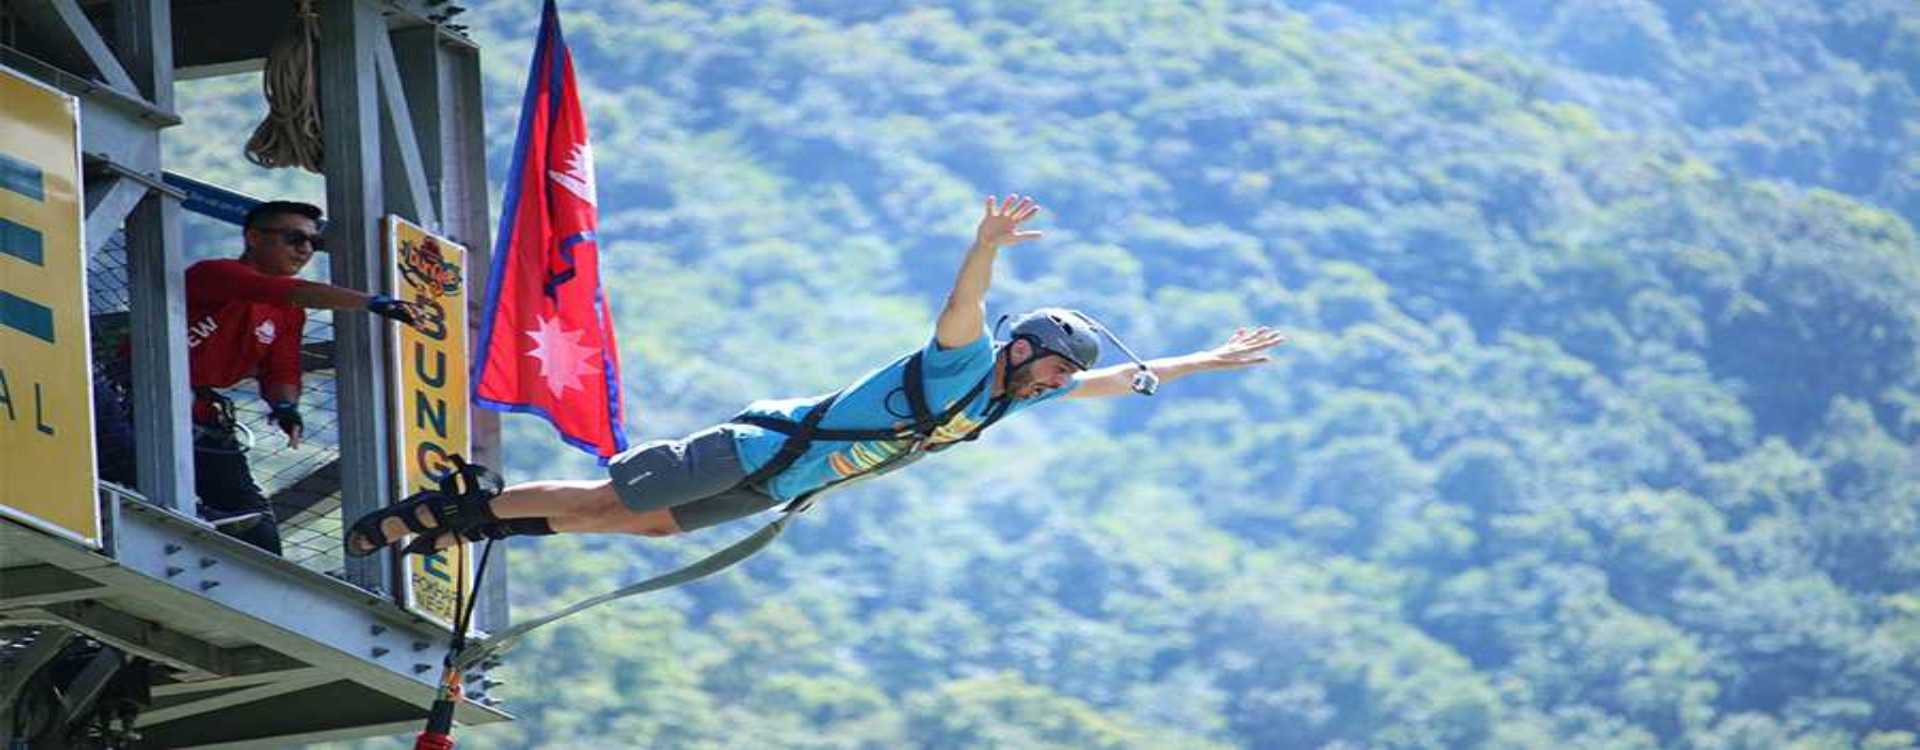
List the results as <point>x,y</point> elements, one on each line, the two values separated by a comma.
<point>313,294</point>
<point>1245,348</point>
<point>966,312</point>
<point>318,295</point>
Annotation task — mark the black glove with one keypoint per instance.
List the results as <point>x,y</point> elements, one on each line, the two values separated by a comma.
<point>392,309</point>
<point>287,415</point>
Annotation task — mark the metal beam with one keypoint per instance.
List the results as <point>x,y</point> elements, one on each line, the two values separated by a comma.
<point>256,660</point>
<point>26,545</point>
<point>170,689</point>
<point>163,451</point>
<point>40,585</point>
<point>220,70</point>
<point>87,89</point>
<point>286,720</point>
<point>98,53</point>
<point>355,186</point>
<point>464,196</point>
<point>423,77</point>
<point>463,162</point>
<point>386,727</point>
<point>143,33</point>
<point>109,200</point>
<point>204,34</point>
<point>145,153</point>
<point>407,193</point>
<point>146,639</point>
<point>201,662</point>
<point>122,145</point>
<point>283,684</point>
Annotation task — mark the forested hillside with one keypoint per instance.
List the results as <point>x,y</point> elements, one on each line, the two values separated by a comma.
<point>1596,429</point>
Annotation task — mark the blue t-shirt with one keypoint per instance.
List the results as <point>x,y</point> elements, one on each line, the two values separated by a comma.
<point>875,402</point>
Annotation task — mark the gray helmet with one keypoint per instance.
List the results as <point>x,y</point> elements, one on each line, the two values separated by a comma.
<point>1061,332</point>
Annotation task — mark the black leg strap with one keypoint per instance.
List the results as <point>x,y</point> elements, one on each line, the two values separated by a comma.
<point>468,493</point>
<point>507,527</point>
<point>426,544</point>
<point>463,501</point>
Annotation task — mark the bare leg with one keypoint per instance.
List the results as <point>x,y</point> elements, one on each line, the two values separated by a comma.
<point>596,516</point>
<point>582,507</point>
<point>557,498</point>
<point>571,506</point>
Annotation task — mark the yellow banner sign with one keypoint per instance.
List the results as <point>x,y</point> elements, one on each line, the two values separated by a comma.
<point>430,404</point>
<point>46,399</point>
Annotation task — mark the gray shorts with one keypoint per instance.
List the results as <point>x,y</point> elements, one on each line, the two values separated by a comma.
<point>698,477</point>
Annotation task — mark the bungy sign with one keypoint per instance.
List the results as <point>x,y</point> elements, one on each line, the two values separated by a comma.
<point>430,406</point>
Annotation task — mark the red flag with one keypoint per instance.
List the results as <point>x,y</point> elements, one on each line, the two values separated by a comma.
<point>546,340</point>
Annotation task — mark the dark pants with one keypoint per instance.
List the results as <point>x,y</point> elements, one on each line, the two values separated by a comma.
<point>224,482</point>
<point>113,430</point>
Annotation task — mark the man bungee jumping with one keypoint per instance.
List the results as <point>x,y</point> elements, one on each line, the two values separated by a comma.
<point>789,450</point>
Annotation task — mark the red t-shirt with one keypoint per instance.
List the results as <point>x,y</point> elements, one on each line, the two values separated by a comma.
<point>239,325</point>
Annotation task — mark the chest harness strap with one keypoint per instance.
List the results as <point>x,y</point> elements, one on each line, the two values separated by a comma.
<point>802,433</point>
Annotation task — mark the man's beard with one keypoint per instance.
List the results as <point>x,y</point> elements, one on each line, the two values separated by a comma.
<point>1023,386</point>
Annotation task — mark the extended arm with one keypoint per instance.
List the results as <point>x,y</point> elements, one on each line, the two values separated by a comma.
<point>1245,348</point>
<point>965,314</point>
<point>313,294</point>
<point>212,282</point>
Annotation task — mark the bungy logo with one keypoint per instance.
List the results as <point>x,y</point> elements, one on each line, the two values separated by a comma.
<point>426,269</point>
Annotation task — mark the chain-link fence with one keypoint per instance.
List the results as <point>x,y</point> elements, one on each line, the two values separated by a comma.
<point>302,484</point>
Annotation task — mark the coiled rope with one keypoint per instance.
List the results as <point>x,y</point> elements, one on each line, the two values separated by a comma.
<point>290,136</point>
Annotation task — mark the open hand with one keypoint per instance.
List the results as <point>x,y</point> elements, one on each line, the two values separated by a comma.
<point>1001,226</point>
<point>1245,348</point>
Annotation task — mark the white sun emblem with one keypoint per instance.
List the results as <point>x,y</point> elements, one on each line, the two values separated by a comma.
<point>563,360</point>
<point>578,179</point>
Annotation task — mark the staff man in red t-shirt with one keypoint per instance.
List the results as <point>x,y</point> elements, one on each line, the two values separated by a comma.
<point>245,317</point>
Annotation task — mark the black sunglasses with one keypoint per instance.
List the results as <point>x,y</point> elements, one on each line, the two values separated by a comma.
<point>295,237</point>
